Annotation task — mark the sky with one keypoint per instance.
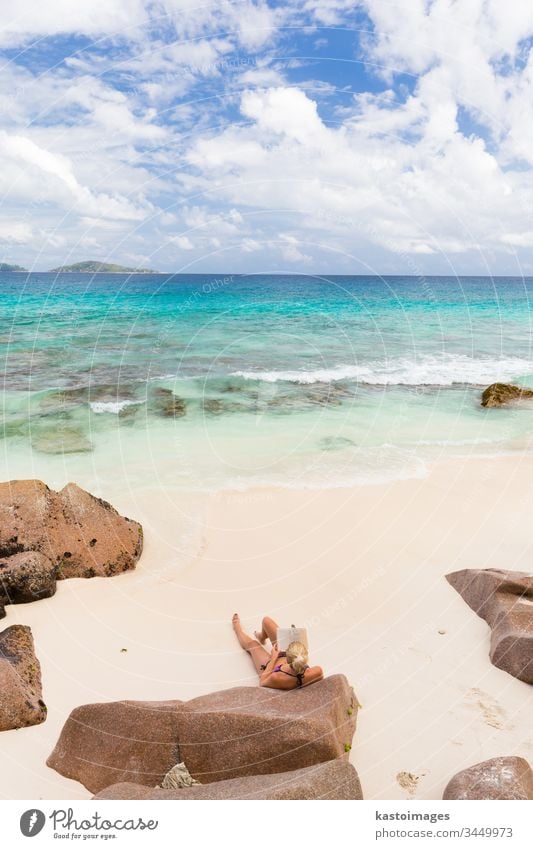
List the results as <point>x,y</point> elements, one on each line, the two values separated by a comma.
<point>311,136</point>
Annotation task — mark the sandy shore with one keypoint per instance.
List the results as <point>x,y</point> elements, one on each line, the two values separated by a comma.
<point>363,568</point>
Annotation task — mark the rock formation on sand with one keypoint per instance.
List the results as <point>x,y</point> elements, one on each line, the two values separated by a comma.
<point>331,780</point>
<point>102,744</point>
<point>21,701</point>
<point>245,731</point>
<point>26,577</point>
<point>505,600</point>
<point>253,731</point>
<point>47,535</point>
<point>497,778</point>
<point>498,394</point>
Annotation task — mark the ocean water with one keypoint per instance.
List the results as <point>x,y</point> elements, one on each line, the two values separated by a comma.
<point>212,381</point>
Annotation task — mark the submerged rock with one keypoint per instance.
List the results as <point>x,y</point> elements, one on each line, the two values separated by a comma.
<point>69,398</point>
<point>62,440</point>
<point>505,601</point>
<point>21,702</point>
<point>234,733</point>
<point>217,406</point>
<point>166,404</point>
<point>328,393</point>
<point>331,780</point>
<point>498,394</point>
<point>81,535</point>
<point>497,778</point>
<point>214,406</point>
<point>26,577</point>
<point>335,443</point>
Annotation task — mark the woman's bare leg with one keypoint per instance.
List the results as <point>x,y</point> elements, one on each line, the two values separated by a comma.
<point>259,655</point>
<point>269,629</point>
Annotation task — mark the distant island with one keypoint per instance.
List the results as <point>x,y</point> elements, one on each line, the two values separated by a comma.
<point>5,266</point>
<point>95,267</point>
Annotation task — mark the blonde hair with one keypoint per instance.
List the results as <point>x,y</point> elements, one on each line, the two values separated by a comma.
<point>297,657</point>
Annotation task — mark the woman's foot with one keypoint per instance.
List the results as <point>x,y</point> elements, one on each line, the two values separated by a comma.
<point>260,636</point>
<point>246,642</point>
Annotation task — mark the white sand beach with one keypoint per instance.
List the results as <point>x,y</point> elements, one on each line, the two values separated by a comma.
<point>363,568</point>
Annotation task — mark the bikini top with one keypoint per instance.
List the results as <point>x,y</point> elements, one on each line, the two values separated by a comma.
<point>299,675</point>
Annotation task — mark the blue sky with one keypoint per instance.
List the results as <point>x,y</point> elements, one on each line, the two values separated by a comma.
<point>336,136</point>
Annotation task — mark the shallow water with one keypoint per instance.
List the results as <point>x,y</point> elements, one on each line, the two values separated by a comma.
<point>213,381</point>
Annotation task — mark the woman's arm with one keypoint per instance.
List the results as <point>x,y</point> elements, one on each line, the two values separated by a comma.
<point>265,675</point>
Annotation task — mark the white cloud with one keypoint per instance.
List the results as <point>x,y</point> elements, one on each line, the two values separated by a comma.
<point>32,171</point>
<point>249,246</point>
<point>290,250</point>
<point>138,137</point>
<point>284,111</point>
<point>330,12</point>
<point>442,193</point>
<point>22,20</point>
<point>17,232</point>
<point>183,242</point>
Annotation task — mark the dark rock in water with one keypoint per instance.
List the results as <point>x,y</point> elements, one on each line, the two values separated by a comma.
<point>166,404</point>
<point>128,414</point>
<point>24,577</point>
<point>59,401</point>
<point>52,415</point>
<point>284,401</point>
<point>303,396</point>
<point>81,535</point>
<point>112,392</point>
<point>214,406</point>
<point>335,443</point>
<point>498,394</point>
<point>14,427</point>
<point>231,734</point>
<point>256,731</point>
<point>61,440</point>
<point>331,780</point>
<point>328,393</point>
<point>497,778</point>
<point>505,601</point>
<point>102,744</point>
<point>217,407</point>
<point>21,702</point>
<point>67,400</point>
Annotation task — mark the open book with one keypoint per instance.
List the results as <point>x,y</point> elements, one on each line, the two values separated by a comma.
<point>291,635</point>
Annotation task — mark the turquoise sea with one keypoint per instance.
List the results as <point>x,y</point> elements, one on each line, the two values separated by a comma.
<point>210,381</point>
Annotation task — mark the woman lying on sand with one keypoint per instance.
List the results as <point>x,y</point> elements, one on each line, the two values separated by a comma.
<point>293,670</point>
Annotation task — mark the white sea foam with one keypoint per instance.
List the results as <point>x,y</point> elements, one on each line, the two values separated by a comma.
<point>113,407</point>
<point>444,370</point>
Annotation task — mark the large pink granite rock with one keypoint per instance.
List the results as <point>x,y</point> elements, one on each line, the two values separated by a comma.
<point>229,734</point>
<point>331,780</point>
<point>505,600</point>
<point>106,743</point>
<point>497,778</point>
<point>81,535</point>
<point>256,730</point>
<point>21,702</point>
